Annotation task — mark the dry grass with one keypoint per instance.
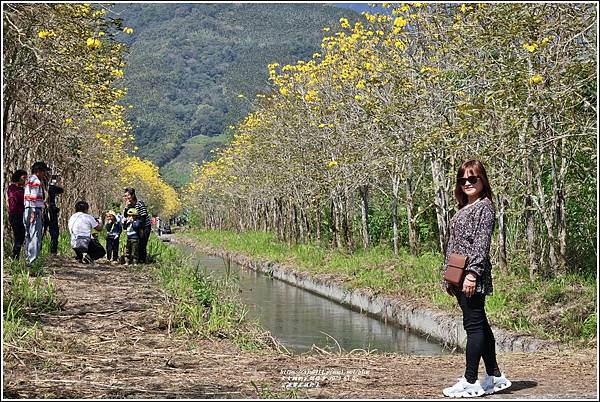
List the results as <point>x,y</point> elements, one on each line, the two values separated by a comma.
<point>113,340</point>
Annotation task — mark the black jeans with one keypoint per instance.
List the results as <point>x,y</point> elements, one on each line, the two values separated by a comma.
<point>53,229</point>
<point>94,251</point>
<point>480,339</point>
<point>112,248</point>
<point>143,243</point>
<point>18,228</point>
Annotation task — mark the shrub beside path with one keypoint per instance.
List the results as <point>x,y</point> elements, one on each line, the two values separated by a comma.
<point>113,339</point>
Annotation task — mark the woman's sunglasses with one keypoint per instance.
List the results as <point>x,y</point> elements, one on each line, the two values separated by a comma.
<point>471,179</point>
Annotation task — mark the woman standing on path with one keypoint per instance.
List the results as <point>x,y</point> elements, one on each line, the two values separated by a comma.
<point>470,235</point>
<point>131,201</point>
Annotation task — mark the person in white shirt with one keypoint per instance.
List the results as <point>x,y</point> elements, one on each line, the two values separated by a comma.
<point>80,226</point>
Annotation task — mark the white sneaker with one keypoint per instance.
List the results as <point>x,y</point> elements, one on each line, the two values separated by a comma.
<point>493,384</point>
<point>464,389</point>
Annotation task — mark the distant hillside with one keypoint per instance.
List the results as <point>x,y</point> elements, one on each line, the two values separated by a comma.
<point>189,62</point>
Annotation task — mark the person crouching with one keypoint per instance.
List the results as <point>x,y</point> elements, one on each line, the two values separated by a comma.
<point>132,226</point>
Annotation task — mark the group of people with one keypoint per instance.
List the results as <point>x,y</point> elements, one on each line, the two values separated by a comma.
<point>33,210</point>
<point>134,221</point>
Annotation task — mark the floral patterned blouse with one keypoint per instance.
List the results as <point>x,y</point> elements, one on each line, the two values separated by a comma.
<point>471,235</point>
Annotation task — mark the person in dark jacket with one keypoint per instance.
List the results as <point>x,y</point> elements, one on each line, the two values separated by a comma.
<point>53,210</point>
<point>132,226</point>
<point>470,236</point>
<point>113,233</point>
<point>16,208</point>
<point>131,201</point>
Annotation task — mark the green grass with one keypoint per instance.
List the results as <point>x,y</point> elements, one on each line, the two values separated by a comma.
<point>201,305</point>
<point>27,292</point>
<point>560,309</point>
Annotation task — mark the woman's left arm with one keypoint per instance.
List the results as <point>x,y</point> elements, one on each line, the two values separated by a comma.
<point>480,249</point>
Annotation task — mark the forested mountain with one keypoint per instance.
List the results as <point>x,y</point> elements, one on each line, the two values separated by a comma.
<point>189,64</point>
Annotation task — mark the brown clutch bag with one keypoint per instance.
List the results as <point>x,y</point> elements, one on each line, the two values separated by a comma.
<point>456,269</point>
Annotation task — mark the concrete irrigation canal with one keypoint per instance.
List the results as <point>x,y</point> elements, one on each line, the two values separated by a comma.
<point>299,318</point>
<point>301,311</point>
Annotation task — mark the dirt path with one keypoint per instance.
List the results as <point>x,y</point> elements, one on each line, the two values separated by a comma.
<point>112,340</point>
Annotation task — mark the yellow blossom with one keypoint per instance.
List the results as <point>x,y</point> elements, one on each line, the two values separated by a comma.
<point>45,34</point>
<point>400,22</point>
<point>332,164</point>
<point>530,47</point>
<point>536,79</point>
<point>93,43</point>
<point>128,30</point>
<point>400,45</point>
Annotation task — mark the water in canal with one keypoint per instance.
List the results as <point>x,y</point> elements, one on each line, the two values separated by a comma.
<point>299,318</point>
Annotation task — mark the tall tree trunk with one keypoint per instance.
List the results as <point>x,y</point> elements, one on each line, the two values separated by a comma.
<point>395,229</point>
<point>502,260</point>
<point>299,224</point>
<point>560,209</point>
<point>318,222</point>
<point>547,218</point>
<point>347,220</point>
<point>364,207</point>
<point>441,201</point>
<point>337,223</point>
<point>529,219</point>
<point>412,227</point>
<point>280,221</point>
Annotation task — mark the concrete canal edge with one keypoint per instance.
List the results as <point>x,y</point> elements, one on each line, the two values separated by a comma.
<point>439,326</point>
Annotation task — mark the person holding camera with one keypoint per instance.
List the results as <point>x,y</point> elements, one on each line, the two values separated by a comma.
<point>51,223</point>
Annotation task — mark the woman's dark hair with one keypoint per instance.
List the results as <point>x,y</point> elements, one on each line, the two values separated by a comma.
<point>131,192</point>
<point>473,168</point>
<point>16,176</point>
<point>81,206</point>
